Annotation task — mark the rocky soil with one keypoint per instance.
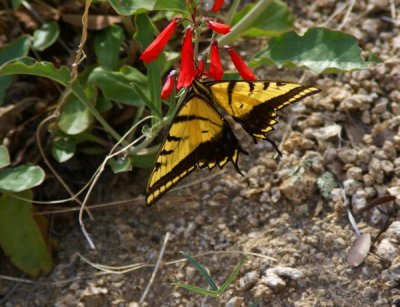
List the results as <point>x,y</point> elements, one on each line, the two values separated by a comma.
<point>340,151</point>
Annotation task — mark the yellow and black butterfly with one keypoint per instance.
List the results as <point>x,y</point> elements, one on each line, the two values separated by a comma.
<point>200,137</point>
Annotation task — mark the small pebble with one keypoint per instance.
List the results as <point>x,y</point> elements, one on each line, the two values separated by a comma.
<point>387,250</point>
<point>286,272</point>
<point>273,281</point>
<point>347,155</point>
<point>248,280</point>
<point>235,301</point>
<point>350,186</point>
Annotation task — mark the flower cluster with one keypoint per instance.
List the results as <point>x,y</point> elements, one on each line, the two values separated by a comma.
<point>191,68</point>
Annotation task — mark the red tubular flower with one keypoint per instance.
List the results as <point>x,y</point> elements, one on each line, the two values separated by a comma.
<point>240,65</point>
<point>168,86</point>
<point>217,5</point>
<point>216,71</point>
<point>158,45</point>
<point>201,64</point>
<point>187,70</point>
<point>219,27</point>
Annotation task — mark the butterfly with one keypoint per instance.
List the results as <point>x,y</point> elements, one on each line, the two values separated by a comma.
<point>200,137</point>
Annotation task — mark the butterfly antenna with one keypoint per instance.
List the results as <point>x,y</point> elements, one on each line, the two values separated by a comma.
<point>240,172</point>
<point>275,146</point>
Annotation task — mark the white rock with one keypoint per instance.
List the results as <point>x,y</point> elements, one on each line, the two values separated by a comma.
<point>387,250</point>
<point>273,281</point>
<point>351,186</point>
<point>235,301</point>
<point>393,232</point>
<point>355,173</point>
<point>394,191</point>
<point>359,200</point>
<point>286,272</point>
<point>248,280</point>
<point>347,155</point>
<point>328,132</point>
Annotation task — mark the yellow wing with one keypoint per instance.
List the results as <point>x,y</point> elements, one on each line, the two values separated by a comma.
<point>254,103</point>
<point>198,137</point>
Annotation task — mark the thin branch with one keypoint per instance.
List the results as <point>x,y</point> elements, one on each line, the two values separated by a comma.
<point>347,14</point>
<point>47,162</point>
<point>101,169</point>
<point>393,9</point>
<point>153,275</point>
<point>334,14</point>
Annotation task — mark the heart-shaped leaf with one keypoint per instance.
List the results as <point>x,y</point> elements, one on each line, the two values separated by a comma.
<point>20,178</point>
<point>20,235</point>
<point>4,157</point>
<point>320,50</point>
<point>45,36</point>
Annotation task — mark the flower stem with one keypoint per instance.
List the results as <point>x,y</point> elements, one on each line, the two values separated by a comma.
<point>245,22</point>
<point>232,12</point>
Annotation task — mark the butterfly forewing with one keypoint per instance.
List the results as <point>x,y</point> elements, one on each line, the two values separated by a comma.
<point>254,103</point>
<point>198,137</point>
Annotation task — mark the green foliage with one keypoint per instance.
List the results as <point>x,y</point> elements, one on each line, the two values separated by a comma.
<point>116,85</point>
<point>17,48</point>
<point>75,117</point>
<point>45,36</point>
<point>133,7</point>
<point>4,157</point>
<point>20,235</point>
<point>107,46</point>
<point>20,178</point>
<point>275,19</point>
<point>63,149</point>
<point>115,81</point>
<point>320,50</point>
<point>215,290</point>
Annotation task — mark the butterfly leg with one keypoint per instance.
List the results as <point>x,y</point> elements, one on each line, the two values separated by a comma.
<point>274,146</point>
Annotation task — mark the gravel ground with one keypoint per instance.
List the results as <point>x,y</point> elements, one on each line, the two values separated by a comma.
<point>346,139</point>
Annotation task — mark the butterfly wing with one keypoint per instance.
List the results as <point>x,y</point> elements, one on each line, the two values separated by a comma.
<point>198,137</point>
<point>254,103</point>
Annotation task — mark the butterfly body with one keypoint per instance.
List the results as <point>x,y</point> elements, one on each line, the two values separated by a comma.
<point>200,137</point>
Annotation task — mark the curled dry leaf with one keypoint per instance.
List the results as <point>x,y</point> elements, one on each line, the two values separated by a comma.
<point>95,22</point>
<point>359,250</point>
<point>379,201</point>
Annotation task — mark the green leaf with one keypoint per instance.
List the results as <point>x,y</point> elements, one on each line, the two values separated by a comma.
<point>61,75</point>
<point>20,236</point>
<point>320,50</point>
<point>171,5</point>
<point>21,178</point>
<point>16,4</point>
<point>231,277</point>
<point>75,117</point>
<point>45,36</point>
<point>63,149</point>
<point>5,82</point>
<point>17,48</point>
<point>120,165</point>
<point>134,75</point>
<point>275,19</point>
<point>144,160</point>
<point>103,105</point>
<point>131,7</point>
<point>115,86</point>
<point>202,270</point>
<point>29,66</point>
<point>107,45</point>
<point>145,36</point>
<point>4,157</point>
<point>197,290</point>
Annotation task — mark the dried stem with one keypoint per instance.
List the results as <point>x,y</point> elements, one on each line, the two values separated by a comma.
<point>153,275</point>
